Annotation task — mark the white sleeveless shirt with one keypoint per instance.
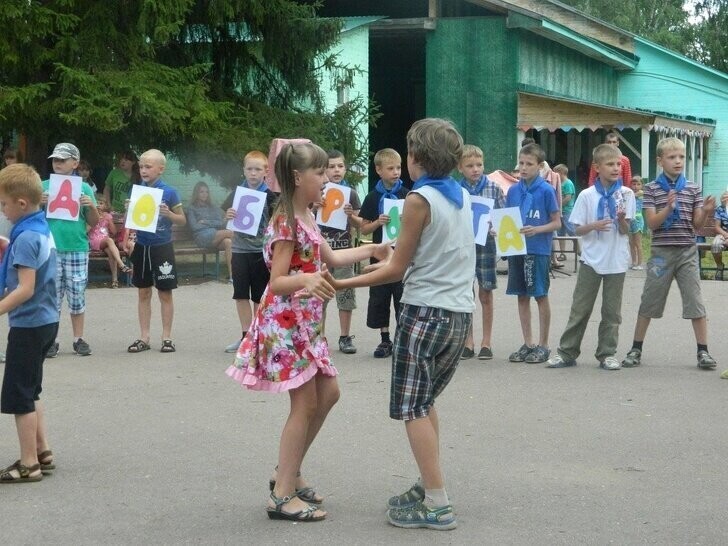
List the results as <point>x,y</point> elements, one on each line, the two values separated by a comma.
<point>443,267</point>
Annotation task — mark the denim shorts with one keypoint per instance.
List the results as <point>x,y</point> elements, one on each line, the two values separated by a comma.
<point>528,275</point>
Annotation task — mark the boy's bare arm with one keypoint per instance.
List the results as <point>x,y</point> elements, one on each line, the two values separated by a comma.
<point>719,229</point>
<point>701,214</point>
<point>368,227</point>
<point>24,291</point>
<point>176,214</point>
<point>92,213</point>
<point>413,223</point>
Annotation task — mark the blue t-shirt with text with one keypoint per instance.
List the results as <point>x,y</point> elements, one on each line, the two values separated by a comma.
<point>163,235</point>
<point>543,205</point>
<point>35,251</point>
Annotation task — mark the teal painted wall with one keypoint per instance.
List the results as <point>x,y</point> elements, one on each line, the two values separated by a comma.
<point>552,66</point>
<point>667,83</point>
<point>471,79</point>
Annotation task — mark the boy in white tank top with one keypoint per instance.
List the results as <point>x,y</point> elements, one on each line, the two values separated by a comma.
<point>435,255</point>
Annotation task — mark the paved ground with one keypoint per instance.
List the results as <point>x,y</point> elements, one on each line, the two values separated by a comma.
<point>165,449</point>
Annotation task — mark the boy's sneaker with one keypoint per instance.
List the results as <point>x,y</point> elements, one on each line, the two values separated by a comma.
<point>467,353</point>
<point>538,355</point>
<point>420,516</point>
<point>557,361</point>
<point>705,361</point>
<point>233,347</point>
<point>346,345</point>
<point>81,348</point>
<point>724,375</point>
<point>53,351</point>
<point>633,358</point>
<point>485,353</point>
<point>383,350</point>
<point>412,496</point>
<point>521,354</point>
<point>610,363</point>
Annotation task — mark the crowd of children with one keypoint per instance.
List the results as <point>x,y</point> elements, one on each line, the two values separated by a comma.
<point>291,267</point>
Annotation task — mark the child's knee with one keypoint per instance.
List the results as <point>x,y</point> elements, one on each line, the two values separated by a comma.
<point>145,294</point>
<point>165,296</point>
<point>485,296</point>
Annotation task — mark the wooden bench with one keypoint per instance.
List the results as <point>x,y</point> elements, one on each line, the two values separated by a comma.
<point>184,245</point>
<point>574,248</point>
<point>706,231</point>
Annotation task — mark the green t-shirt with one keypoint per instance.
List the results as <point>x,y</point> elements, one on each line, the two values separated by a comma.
<point>567,188</point>
<point>68,235</point>
<point>119,185</point>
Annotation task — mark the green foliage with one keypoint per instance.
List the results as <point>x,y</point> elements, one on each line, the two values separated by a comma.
<point>698,29</point>
<point>207,80</point>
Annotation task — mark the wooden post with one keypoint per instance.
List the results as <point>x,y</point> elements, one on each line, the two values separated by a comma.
<point>433,9</point>
<point>645,151</point>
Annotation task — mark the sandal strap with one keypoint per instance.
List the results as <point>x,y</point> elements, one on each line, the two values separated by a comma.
<point>23,471</point>
<point>43,456</point>
<point>280,501</point>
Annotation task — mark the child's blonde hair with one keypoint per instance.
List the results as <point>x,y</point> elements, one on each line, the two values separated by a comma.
<point>387,155</point>
<point>470,150</point>
<point>20,181</point>
<point>669,143</point>
<point>562,169</point>
<point>295,157</point>
<point>154,155</point>
<point>435,145</point>
<point>255,154</point>
<point>605,152</point>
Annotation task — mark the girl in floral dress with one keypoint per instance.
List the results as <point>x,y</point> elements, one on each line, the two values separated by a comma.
<point>283,349</point>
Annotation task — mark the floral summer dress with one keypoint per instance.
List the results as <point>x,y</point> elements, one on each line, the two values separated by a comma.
<point>283,347</point>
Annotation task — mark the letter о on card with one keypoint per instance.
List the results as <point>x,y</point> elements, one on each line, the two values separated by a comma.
<point>248,205</point>
<point>331,213</point>
<point>507,224</point>
<point>392,208</point>
<point>143,212</point>
<point>64,197</point>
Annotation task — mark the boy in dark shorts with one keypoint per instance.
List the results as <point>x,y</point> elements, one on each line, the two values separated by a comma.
<point>249,273</point>
<point>388,165</point>
<point>153,255</point>
<point>28,284</point>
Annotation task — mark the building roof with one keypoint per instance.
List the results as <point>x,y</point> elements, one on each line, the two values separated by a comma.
<point>350,23</point>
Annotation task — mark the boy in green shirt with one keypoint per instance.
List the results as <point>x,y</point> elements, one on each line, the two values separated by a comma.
<point>71,239</point>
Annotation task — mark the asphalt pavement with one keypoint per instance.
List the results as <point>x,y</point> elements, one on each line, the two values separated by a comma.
<point>158,448</point>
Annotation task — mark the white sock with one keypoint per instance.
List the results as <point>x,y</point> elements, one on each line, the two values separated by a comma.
<point>436,497</point>
<point>75,339</point>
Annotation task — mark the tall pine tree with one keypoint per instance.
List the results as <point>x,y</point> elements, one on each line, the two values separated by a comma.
<point>204,79</point>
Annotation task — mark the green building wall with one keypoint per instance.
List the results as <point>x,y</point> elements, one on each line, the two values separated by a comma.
<point>472,66</point>
<point>666,82</point>
<point>549,65</point>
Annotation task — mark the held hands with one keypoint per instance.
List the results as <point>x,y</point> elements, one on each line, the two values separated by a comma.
<point>85,200</point>
<point>319,284</point>
<point>383,219</point>
<point>230,214</point>
<point>529,231</point>
<point>164,210</point>
<point>672,199</point>
<point>605,224</point>
<point>348,210</point>
<point>382,252</point>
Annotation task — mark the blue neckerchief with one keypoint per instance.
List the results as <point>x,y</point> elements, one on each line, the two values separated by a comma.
<point>387,193</point>
<point>35,221</point>
<point>448,187</point>
<point>262,186</point>
<point>527,194</point>
<point>478,188</point>
<point>666,186</point>
<point>607,205</point>
<point>345,183</point>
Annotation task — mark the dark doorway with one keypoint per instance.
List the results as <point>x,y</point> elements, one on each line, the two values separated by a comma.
<point>397,84</point>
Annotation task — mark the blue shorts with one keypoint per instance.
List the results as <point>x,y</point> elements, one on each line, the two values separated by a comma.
<point>567,228</point>
<point>528,275</point>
